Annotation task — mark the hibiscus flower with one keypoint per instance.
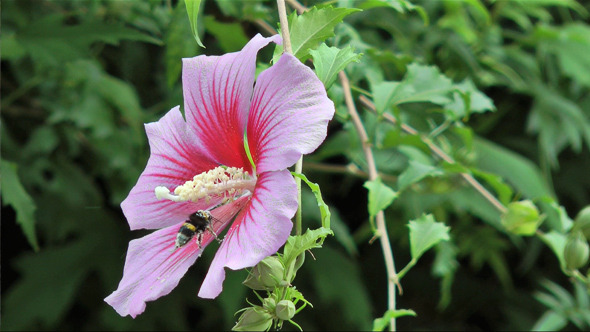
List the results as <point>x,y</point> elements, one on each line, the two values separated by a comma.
<point>200,164</point>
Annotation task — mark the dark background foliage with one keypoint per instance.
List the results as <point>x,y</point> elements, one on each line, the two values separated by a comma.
<point>79,79</point>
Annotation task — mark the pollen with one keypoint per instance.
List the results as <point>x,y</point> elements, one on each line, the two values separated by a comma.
<point>225,182</point>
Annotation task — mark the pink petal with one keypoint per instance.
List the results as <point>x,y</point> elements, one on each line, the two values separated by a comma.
<point>174,159</point>
<point>217,92</point>
<point>258,231</point>
<point>289,114</point>
<point>153,268</point>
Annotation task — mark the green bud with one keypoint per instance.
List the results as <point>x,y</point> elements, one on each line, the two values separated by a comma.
<point>266,275</point>
<point>582,221</point>
<point>576,251</point>
<point>285,309</point>
<point>269,304</point>
<point>522,218</point>
<point>254,319</point>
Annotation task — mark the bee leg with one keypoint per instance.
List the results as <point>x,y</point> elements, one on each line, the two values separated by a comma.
<point>210,229</point>
<point>199,240</point>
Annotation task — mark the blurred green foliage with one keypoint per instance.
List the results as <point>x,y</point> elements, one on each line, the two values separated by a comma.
<point>502,87</point>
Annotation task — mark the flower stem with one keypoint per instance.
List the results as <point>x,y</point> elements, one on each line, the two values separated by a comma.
<point>392,279</point>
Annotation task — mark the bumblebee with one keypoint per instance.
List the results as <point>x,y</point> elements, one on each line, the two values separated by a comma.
<point>197,224</point>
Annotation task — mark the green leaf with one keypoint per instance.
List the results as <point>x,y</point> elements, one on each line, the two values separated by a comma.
<point>421,84</point>
<point>444,266</point>
<point>468,99</point>
<point>15,195</point>
<point>399,5</point>
<point>380,196</point>
<point>556,241</point>
<point>179,31</point>
<point>315,188</point>
<point>329,61</point>
<point>231,36</point>
<point>380,324</point>
<point>298,244</point>
<point>571,44</point>
<point>550,321</point>
<point>50,277</point>
<point>415,172</point>
<point>515,169</point>
<point>192,9</point>
<point>425,232</point>
<point>311,28</point>
<point>51,42</point>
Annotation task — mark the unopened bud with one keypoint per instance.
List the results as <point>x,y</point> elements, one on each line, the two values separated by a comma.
<point>522,218</point>
<point>582,221</point>
<point>269,304</point>
<point>266,275</point>
<point>285,309</point>
<point>254,319</point>
<point>576,251</point>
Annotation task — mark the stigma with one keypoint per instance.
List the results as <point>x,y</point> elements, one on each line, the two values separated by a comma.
<point>222,181</point>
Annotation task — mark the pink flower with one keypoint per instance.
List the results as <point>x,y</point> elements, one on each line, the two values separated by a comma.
<point>201,164</point>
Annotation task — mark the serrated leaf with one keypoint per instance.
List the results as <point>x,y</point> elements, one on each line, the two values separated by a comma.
<point>380,196</point>
<point>425,232</point>
<point>468,99</point>
<point>380,324</point>
<point>315,188</point>
<point>192,9</point>
<point>15,195</point>
<point>311,28</point>
<point>421,84</point>
<point>298,244</point>
<point>329,61</point>
<point>415,172</point>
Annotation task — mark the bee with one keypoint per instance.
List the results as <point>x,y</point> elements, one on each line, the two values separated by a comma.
<point>196,224</point>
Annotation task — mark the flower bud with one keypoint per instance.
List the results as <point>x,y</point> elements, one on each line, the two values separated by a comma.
<point>285,309</point>
<point>266,275</point>
<point>522,218</point>
<point>269,304</point>
<point>576,251</point>
<point>582,221</point>
<point>254,319</point>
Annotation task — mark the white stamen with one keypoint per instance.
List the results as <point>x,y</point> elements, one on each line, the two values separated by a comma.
<point>220,181</point>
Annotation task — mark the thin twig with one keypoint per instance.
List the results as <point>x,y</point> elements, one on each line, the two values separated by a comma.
<point>392,279</point>
<point>284,26</point>
<point>298,7</point>
<point>265,26</point>
<point>440,153</point>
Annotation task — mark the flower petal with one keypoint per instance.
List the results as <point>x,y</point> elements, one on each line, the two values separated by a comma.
<point>174,159</point>
<point>217,92</point>
<point>259,230</point>
<point>289,115</point>
<point>153,268</point>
